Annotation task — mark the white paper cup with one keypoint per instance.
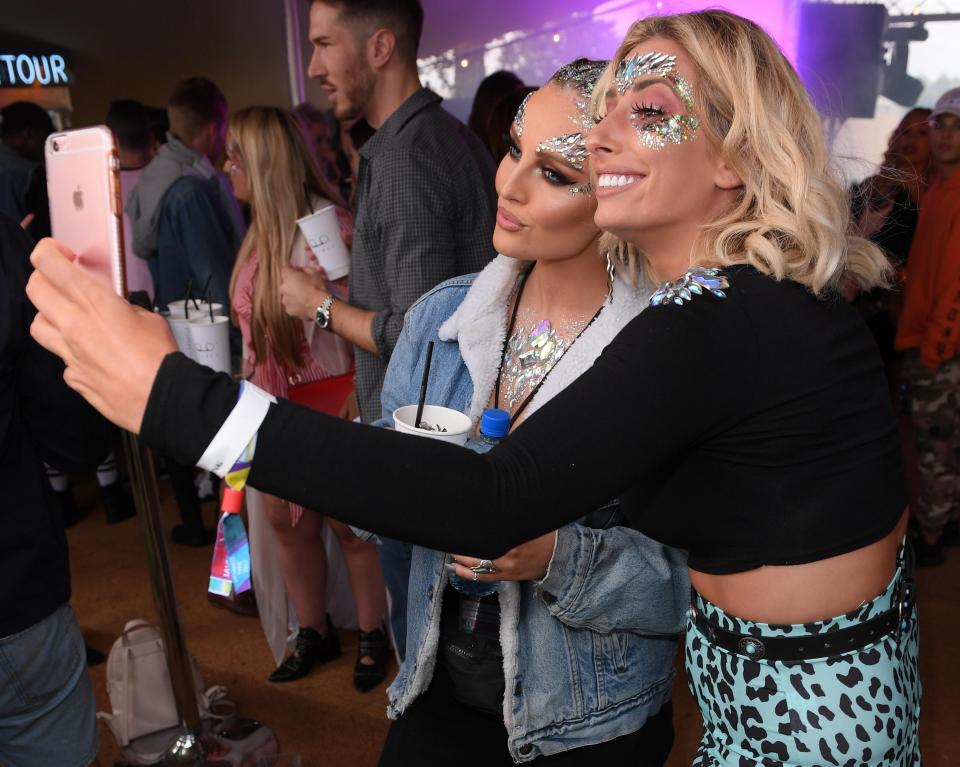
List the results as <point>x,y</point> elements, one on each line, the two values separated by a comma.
<point>210,342</point>
<point>457,426</point>
<point>322,233</point>
<point>181,334</point>
<point>176,309</point>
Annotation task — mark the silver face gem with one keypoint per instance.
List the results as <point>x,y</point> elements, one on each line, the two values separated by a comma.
<point>645,65</point>
<point>580,76</point>
<point>586,189</point>
<point>571,147</point>
<point>657,132</point>
<point>518,118</point>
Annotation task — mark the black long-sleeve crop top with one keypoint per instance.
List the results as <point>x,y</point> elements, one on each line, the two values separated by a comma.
<point>753,429</point>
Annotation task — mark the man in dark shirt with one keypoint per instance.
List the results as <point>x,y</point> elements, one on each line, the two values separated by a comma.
<point>47,709</point>
<point>185,219</point>
<point>24,127</point>
<point>425,201</point>
<point>187,225</point>
<point>425,196</point>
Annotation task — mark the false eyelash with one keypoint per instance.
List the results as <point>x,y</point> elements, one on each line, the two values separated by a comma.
<point>648,110</point>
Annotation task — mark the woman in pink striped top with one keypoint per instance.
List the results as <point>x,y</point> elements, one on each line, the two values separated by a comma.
<point>271,168</point>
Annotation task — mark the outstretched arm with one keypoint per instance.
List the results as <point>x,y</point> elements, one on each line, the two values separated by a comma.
<point>645,400</point>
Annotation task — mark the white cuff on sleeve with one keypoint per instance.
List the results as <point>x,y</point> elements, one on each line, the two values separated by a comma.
<point>237,431</point>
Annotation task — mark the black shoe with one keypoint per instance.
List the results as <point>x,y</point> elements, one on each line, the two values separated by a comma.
<point>951,534</point>
<point>927,554</point>
<point>374,645</point>
<point>117,503</point>
<point>188,535</point>
<point>94,656</point>
<point>311,648</point>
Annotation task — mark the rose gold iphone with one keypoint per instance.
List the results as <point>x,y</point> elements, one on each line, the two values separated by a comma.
<point>83,183</point>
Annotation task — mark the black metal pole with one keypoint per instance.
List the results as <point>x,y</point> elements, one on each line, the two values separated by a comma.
<point>143,480</point>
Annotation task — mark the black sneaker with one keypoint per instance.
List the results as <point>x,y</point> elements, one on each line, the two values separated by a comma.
<point>117,503</point>
<point>927,554</point>
<point>188,535</point>
<point>372,645</point>
<point>310,648</point>
<point>951,534</point>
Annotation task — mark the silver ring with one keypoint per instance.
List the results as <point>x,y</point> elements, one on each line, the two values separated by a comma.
<point>486,567</point>
<point>476,575</point>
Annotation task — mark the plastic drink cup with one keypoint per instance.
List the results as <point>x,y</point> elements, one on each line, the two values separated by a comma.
<point>181,334</point>
<point>210,342</point>
<point>322,233</point>
<point>442,423</point>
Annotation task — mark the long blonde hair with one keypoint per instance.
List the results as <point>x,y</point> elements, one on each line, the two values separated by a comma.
<point>280,170</point>
<point>791,219</point>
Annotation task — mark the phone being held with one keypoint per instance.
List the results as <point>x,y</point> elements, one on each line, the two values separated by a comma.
<point>86,213</point>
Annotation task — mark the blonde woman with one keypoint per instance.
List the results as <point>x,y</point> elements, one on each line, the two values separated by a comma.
<point>743,417</point>
<point>271,168</point>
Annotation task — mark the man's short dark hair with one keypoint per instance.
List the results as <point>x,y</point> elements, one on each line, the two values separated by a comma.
<point>197,102</point>
<point>159,123</point>
<point>402,17</point>
<point>128,121</point>
<point>23,115</point>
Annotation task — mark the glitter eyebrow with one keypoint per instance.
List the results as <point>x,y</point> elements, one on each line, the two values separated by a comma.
<point>571,147</point>
<point>521,111</point>
<point>646,64</point>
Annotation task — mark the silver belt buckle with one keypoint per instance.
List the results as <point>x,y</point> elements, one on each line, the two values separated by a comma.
<point>752,647</point>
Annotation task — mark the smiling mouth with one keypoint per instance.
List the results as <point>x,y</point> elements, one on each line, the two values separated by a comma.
<point>613,180</point>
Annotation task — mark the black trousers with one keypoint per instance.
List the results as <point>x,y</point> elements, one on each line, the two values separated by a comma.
<point>438,730</point>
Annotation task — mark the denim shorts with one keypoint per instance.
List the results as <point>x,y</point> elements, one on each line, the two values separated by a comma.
<point>47,708</point>
<point>858,708</point>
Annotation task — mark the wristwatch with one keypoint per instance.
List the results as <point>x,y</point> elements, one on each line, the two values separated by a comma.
<point>322,317</point>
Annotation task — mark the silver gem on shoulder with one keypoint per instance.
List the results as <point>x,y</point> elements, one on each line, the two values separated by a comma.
<point>695,282</point>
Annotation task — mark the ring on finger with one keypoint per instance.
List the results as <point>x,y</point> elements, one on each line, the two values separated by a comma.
<point>486,567</point>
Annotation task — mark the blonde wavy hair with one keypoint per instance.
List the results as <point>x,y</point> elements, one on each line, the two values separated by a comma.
<point>791,219</point>
<point>280,168</point>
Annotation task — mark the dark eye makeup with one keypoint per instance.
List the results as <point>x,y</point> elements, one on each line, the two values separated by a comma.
<point>552,175</point>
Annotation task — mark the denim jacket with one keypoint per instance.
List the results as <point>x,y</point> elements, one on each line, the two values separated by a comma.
<point>588,651</point>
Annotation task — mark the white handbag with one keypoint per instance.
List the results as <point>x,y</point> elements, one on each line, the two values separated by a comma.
<point>141,694</point>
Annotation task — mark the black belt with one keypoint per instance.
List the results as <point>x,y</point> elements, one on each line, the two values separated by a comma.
<point>895,620</point>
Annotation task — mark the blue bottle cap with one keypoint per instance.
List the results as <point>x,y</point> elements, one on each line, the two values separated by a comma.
<point>495,423</point>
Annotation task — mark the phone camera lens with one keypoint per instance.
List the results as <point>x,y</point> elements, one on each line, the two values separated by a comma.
<point>56,146</point>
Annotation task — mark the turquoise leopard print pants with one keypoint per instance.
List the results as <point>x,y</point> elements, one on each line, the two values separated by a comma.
<point>858,709</point>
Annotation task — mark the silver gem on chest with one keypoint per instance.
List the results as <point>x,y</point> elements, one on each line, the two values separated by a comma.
<point>695,282</point>
<point>531,353</point>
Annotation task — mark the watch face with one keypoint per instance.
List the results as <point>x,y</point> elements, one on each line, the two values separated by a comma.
<point>322,317</point>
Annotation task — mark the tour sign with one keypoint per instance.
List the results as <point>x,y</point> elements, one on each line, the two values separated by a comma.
<point>19,70</point>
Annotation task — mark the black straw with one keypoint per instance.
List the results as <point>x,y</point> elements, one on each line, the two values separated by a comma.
<point>206,287</point>
<point>189,297</point>
<point>306,193</point>
<point>423,384</point>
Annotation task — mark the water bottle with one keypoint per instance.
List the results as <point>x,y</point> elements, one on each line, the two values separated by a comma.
<point>494,426</point>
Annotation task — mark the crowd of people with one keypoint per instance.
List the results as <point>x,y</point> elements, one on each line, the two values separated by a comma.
<point>714,363</point>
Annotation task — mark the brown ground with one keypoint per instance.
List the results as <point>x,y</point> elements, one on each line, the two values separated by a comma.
<point>330,724</point>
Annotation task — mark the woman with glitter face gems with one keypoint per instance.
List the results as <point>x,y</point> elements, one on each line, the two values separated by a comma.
<point>603,597</point>
<point>743,416</point>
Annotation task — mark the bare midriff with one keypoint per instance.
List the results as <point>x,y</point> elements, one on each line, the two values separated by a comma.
<point>808,592</point>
